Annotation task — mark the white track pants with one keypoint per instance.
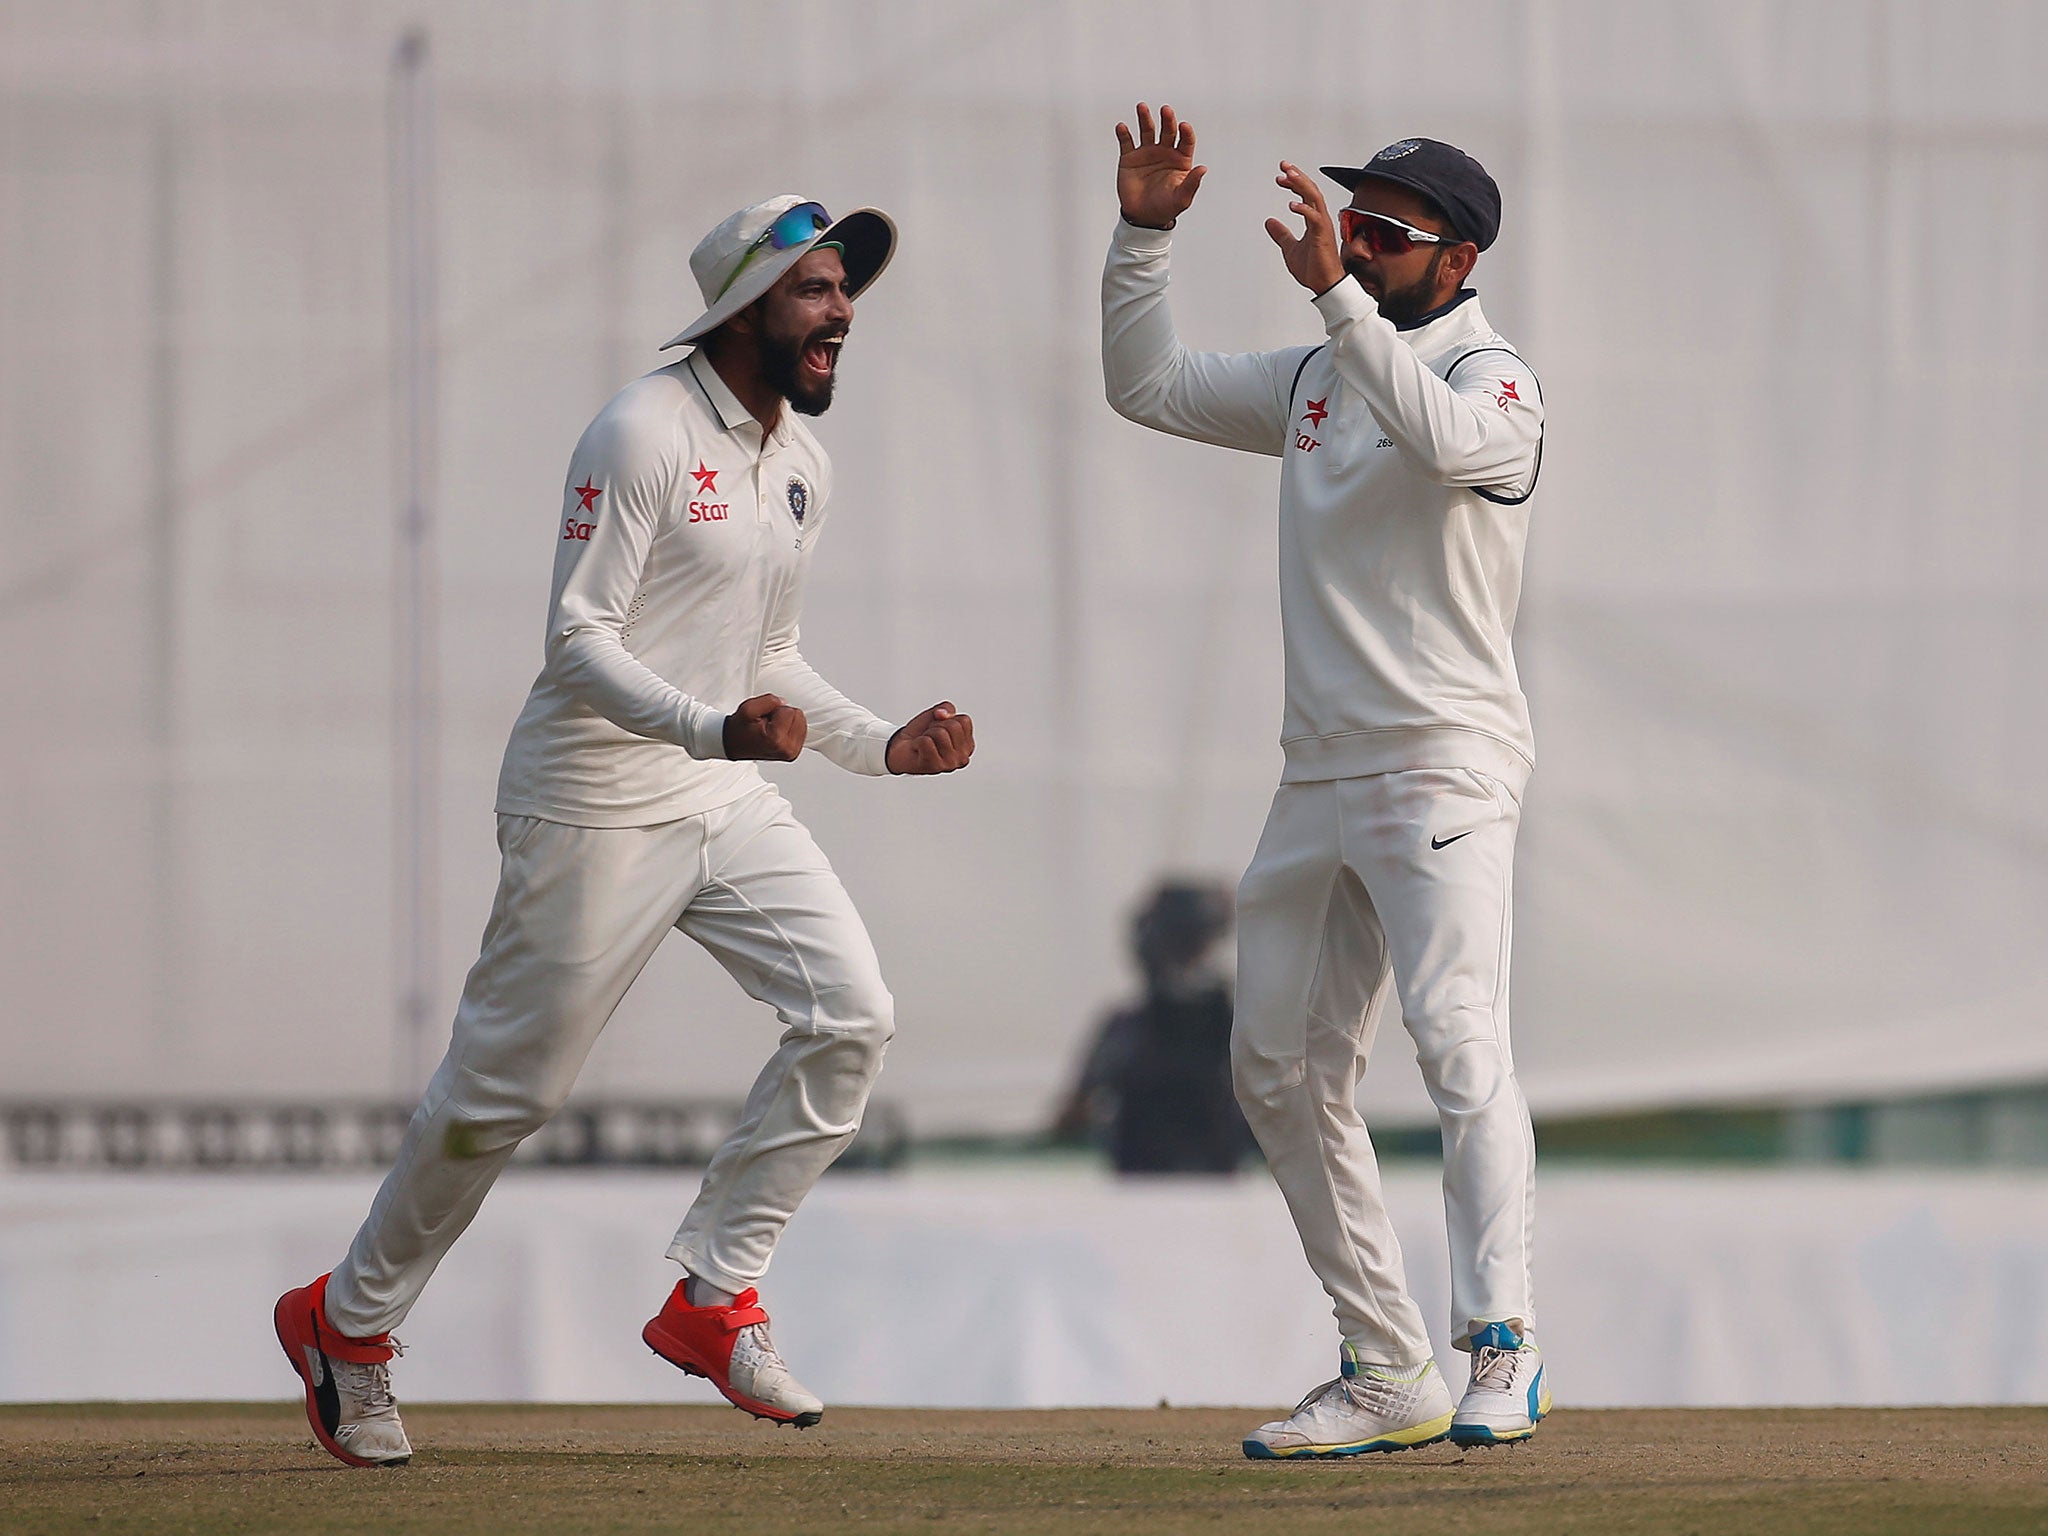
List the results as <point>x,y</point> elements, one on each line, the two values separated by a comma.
<point>579,912</point>
<point>1354,879</point>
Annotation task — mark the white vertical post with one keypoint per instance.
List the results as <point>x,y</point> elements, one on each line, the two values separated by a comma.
<point>415,670</point>
<point>166,702</point>
<point>615,177</point>
<point>1074,764</point>
<point>1540,221</point>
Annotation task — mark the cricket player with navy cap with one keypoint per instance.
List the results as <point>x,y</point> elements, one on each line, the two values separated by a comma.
<point>1410,440</point>
<point>629,804</point>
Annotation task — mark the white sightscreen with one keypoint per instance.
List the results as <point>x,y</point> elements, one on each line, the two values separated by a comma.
<point>1778,265</point>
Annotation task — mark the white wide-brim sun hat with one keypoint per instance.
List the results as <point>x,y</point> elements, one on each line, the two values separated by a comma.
<point>738,261</point>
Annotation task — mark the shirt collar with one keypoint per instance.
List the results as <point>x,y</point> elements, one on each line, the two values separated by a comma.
<point>1440,311</point>
<point>731,414</point>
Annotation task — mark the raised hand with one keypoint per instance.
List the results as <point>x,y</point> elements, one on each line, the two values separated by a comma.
<point>1156,174</point>
<point>1312,258</point>
<point>937,741</point>
<point>765,730</point>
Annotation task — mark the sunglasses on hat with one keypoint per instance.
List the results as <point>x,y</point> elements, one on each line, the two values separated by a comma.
<point>1384,236</point>
<point>806,221</point>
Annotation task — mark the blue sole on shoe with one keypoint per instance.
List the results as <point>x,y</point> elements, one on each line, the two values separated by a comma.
<point>1258,1450</point>
<point>1480,1434</point>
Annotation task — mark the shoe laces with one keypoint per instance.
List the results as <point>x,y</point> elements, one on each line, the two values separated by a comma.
<point>1362,1392</point>
<point>1493,1370</point>
<point>1319,1394</point>
<point>752,1347</point>
<point>368,1383</point>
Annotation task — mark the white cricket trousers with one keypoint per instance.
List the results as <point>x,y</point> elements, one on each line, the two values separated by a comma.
<point>579,912</point>
<point>1405,876</point>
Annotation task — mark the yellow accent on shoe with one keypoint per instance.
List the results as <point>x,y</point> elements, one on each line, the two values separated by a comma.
<point>1420,1434</point>
<point>1426,1433</point>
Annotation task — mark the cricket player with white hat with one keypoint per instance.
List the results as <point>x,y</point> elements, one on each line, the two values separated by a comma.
<point>629,804</point>
<point>1410,440</point>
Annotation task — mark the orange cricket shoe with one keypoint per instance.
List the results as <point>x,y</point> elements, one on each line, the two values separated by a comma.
<point>730,1348</point>
<point>348,1382</point>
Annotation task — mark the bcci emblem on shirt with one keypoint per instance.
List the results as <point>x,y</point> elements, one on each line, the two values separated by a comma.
<point>799,499</point>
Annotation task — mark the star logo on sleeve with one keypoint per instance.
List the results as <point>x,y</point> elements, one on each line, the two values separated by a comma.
<point>1507,387</point>
<point>1317,411</point>
<point>589,491</point>
<point>707,479</point>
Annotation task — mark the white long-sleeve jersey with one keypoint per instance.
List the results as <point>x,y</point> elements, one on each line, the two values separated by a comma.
<point>679,569</point>
<point>1407,460</point>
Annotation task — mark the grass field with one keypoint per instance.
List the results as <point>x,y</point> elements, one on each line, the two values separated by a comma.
<point>252,1467</point>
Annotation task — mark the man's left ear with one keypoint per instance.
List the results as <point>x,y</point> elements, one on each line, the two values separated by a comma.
<point>1464,257</point>
<point>745,322</point>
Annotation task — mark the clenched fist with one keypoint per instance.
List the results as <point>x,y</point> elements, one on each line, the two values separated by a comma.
<point>766,730</point>
<point>937,741</point>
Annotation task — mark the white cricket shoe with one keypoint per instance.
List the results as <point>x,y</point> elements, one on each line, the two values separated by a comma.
<point>758,1371</point>
<point>1368,1408</point>
<point>1507,1397</point>
<point>368,1424</point>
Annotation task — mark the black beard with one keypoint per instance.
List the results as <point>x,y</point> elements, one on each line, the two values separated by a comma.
<point>782,367</point>
<point>1404,306</point>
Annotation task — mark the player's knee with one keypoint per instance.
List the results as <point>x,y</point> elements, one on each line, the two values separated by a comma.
<point>1266,1082</point>
<point>1466,1072</point>
<point>861,1013</point>
<point>877,1027</point>
<point>480,1130</point>
<point>511,1098</point>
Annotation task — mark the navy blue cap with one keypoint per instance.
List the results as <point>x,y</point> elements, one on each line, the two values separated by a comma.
<point>1447,176</point>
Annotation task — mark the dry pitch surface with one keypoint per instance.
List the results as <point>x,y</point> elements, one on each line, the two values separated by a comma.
<point>252,1467</point>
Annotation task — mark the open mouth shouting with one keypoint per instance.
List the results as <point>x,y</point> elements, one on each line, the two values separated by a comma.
<point>821,356</point>
<point>804,370</point>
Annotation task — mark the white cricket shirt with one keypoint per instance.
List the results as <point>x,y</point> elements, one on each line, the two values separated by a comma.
<point>679,568</point>
<point>1407,459</point>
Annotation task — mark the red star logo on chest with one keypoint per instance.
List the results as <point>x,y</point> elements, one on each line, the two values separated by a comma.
<point>707,479</point>
<point>1317,411</point>
<point>589,491</point>
<point>1507,387</point>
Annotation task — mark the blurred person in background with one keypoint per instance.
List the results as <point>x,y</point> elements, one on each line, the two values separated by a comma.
<point>1410,441</point>
<point>629,804</point>
<point>1155,1090</point>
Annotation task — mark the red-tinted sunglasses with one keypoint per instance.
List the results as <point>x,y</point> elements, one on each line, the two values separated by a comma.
<point>1384,236</point>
